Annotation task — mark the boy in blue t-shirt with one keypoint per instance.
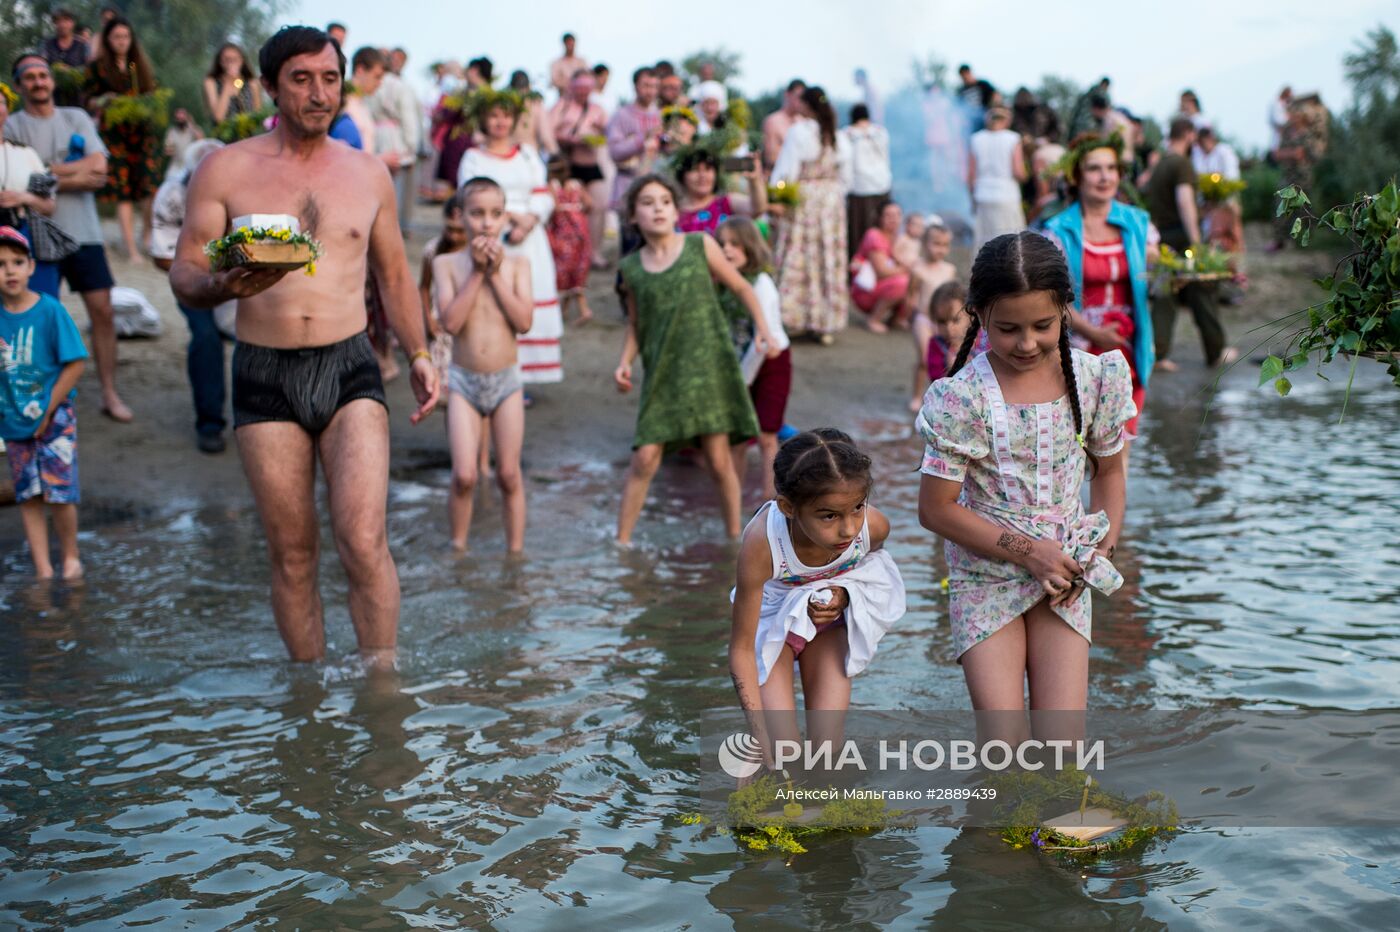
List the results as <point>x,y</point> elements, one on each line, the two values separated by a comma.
<point>41,357</point>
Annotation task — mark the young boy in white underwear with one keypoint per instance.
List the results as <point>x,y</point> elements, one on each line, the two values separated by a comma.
<point>485,302</point>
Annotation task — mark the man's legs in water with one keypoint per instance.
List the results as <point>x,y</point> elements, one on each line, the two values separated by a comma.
<point>355,457</point>
<point>280,462</point>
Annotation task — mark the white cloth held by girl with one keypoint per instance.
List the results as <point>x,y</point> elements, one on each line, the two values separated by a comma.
<point>876,593</point>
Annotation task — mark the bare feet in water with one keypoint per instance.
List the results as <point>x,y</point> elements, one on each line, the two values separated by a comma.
<point>1228,356</point>
<point>1166,365</point>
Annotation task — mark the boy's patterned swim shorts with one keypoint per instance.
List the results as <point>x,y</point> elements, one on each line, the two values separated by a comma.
<point>48,465</point>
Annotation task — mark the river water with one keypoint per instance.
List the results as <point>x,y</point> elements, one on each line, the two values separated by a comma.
<point>163,766</point>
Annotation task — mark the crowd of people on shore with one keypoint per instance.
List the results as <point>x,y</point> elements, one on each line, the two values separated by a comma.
<point>729,249</point>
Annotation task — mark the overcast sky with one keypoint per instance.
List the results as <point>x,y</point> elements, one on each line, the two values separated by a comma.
<point>1236,54</point>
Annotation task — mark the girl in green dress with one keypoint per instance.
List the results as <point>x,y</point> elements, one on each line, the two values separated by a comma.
<point>692,390</point>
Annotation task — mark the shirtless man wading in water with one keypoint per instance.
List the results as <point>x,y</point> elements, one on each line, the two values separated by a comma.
<point>305,380</point>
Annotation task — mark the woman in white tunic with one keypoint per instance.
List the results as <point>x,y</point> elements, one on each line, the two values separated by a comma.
<point>521,174</point>
<point>995,169</point>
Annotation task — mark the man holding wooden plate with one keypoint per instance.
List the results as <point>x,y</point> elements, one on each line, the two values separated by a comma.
<point>305,380</point>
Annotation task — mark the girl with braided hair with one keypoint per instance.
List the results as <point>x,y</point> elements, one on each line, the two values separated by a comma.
<point>815,587</point>
<point>1010,435</point>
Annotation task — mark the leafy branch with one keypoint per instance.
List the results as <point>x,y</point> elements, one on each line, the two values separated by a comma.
<point>1361,314</point>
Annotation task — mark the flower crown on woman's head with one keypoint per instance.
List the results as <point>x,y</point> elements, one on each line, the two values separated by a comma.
<point>679,113</point>
<point>1081,146</point>
<point>486,99</point>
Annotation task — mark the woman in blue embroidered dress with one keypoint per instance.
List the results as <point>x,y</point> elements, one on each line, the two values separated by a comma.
<point>1107,245</point>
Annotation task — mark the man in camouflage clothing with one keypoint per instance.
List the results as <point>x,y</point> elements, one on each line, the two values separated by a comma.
<point>1301,146</point>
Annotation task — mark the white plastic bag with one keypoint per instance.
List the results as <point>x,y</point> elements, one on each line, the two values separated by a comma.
<point>224,317</point>
<point>133,315</point>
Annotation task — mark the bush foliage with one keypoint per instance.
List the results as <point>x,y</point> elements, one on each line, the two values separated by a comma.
<point>179,36</point>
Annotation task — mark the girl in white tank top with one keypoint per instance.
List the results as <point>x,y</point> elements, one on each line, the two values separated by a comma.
<point>816,591</point>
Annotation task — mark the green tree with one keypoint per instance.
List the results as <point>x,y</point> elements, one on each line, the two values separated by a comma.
<point>180,36</point>
<point>725,62</point>
<point>930,71</point>
<point>1361,150</point>
<point>1060,94</point>
<point>765,104</point>
<point>1374,69</point>
<point>25,26</point>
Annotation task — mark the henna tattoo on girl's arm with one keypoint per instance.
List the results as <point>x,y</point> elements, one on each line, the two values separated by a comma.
<point>1014,543</point>
<point>739,688</point>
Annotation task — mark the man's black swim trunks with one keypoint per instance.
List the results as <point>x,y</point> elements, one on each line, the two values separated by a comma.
<point>305,386</point>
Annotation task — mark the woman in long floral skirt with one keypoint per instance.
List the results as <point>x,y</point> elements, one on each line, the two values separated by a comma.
<point>812,273</point>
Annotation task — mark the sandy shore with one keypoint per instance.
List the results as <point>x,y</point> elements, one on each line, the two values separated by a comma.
<point>861,384</point>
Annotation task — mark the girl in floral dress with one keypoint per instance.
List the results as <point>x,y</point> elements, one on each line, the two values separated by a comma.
<point>1010,436</point>
<point>811,246</point>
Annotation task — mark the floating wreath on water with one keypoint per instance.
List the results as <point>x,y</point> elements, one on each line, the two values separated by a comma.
<point>1035,812</point>
<point>265,248</point>
<point>752,820</point>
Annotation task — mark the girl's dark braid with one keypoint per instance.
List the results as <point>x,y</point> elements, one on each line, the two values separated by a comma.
<point>971,338</point>
<point>1072,387</point>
